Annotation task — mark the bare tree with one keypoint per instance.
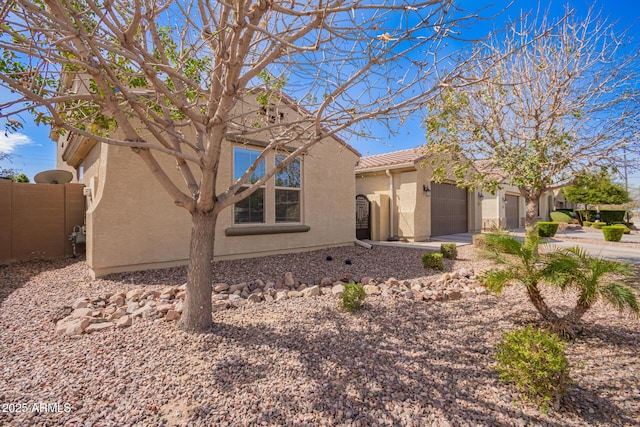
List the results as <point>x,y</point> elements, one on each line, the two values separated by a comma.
<point>172,78</point>
<point>559,98</point>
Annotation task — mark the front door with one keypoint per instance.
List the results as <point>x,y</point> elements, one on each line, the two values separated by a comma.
<point>363,218</point>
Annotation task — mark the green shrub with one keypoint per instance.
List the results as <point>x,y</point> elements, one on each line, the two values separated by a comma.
<point>557,216</point>
<point>534,360</point>
<point>547,229</point>
<point>569,212</point>
<point>608,216</point>
<point>433,260</point>
<point>449,250</point>
<point>626,229</point>
<point>623,226</point>
<point>612,233</point>
<point>352,297</point>
<point>599,225</point>
<point>587,223</point>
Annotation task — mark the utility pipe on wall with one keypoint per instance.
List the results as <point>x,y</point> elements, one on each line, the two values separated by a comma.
<point>391,204</point>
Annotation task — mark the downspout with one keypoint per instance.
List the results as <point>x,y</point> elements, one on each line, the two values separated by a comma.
<point>391,204</point>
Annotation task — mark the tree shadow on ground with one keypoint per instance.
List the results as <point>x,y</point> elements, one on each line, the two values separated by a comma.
<point>16,274</point>
<point>370,368</point>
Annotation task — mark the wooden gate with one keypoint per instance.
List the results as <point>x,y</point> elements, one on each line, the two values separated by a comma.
<point>363,217</point>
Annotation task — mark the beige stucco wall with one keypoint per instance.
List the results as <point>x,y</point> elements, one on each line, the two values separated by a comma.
<point>411,206</point>
<point>132,223</point>
<point>405,185</point>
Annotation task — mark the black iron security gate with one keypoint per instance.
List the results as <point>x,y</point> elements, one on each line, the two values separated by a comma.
<point>363,217</point>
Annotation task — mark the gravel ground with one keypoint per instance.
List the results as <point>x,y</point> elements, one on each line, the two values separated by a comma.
<point>298,362</point>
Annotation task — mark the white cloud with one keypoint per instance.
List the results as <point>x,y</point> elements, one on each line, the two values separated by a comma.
<point>10,141</point>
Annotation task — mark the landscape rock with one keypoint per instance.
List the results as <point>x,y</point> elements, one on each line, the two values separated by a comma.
<point>255,298</point>
<point>326,281</point>
<point>218,306</point>
<point>220,287</point>
<point>313,291</point>
<point>294,294</point>
<point>288,279</point>
<point>281,295</point>
<point>94,327</point>
<point>124,321</point>
<point>80,303</point>
<point>163,308</point>
<point>77,326</point>
<point>237,288</point>
<point>337,289</point>
<point>371,290</point>
<point>172,315</point>
<point>144,311</point>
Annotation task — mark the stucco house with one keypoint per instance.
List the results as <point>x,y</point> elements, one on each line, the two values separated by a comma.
<point>403,203</point>
<point>506,208</point>
<point>133,224</point>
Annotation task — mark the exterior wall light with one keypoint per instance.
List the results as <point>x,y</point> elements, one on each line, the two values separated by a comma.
<point>504,199</point>
<point>480,195</point>
<point>426,190</point>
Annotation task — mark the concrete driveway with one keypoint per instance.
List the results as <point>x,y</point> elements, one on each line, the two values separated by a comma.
<point>608,250</point>
<point>625,250</point>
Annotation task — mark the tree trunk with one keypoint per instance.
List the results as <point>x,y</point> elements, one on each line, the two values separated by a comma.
<point>531,217</point>
<point>196,314</point>
<point>538,302</point>
<point>568,326</point>
<point>575,315</point>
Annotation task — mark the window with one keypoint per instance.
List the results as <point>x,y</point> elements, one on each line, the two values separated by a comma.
<point>287,191</point>
<point>279,201</point>
<point>251,209</point>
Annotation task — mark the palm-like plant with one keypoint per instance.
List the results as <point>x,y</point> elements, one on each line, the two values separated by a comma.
<point>594,278</point>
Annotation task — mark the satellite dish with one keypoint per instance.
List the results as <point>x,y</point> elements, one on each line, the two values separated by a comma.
<point>54,176</point>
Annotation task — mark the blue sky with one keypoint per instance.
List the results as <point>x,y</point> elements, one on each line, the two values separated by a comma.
<point>32,151</point>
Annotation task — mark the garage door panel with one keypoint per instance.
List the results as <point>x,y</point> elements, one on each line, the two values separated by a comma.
<point>448,209</point>
<point>511,212</point>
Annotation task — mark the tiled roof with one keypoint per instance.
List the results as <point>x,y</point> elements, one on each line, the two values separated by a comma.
<point>389,159</point>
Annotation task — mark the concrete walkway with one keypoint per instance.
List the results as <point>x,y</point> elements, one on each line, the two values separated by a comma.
<point>461,239</point>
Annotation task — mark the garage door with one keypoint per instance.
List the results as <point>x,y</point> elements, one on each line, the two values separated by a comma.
<point>448,210</point>
<point>511,211</point>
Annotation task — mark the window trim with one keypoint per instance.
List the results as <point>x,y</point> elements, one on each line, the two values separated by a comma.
<point>269,223</point>
<point>244,186</point>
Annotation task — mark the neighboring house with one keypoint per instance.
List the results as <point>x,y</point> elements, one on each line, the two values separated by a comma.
<point>132,223</point>
<point>505,209</point>
<point>397,200</point>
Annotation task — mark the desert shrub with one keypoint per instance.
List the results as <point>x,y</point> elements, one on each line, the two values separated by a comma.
<point>449,250</point>
<point>612,233</point>
<point>433,260</point>
<point>587,223</point>
<point>535,362</point>
<point>352,297</point>
<point>547,229</point>
<point>599,225</point>
<point>558,216</point>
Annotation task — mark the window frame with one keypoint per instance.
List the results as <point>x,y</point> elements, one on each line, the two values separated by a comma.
<point>246,186</point>
<point>269,189</point>
<point>297,189</point>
